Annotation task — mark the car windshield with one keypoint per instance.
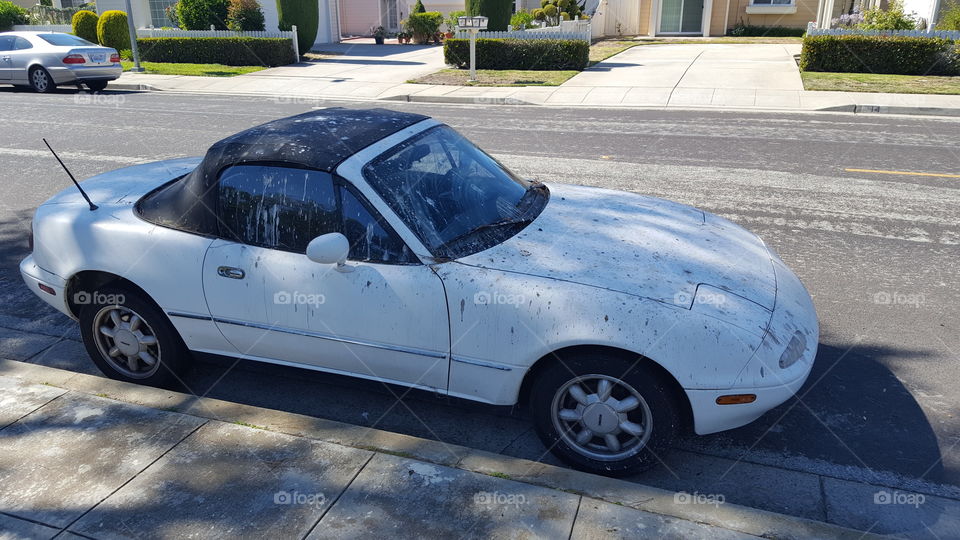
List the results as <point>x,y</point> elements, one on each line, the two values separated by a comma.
<point>65,40</point>
<point>457,199</point>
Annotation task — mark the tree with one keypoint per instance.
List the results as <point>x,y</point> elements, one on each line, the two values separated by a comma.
<point>244,15</point>
<point>497,11</point>
<point>305,14</point>
<point>201,14</point>
<point>418,7</point>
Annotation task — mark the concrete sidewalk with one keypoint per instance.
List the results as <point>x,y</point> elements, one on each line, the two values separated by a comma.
<point>131,462</point>
<point>734,76</point>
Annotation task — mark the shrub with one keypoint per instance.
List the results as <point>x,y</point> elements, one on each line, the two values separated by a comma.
<point>452,17</point>
<point>200,14</point>
<point>539,54</point>
<point>424,25</point>
<point>112,30</point>
<point>950,16</point>
<point>539,15</point>
<point>746,30</point>
<point>244,15</point>
<point>84,25</point>
<point>305,15</point>
<point>418,7</point>
<point>881,54</point>
<point>498,11</point>
<point>233,51</point>
<point>892,18</point>
<point>521,20</point>
<point>11,14</point>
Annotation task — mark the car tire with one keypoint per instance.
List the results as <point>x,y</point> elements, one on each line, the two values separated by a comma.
<point>41,81</point>
<point>96,86</point>
<point>605,414</point>
<point>148,351</point>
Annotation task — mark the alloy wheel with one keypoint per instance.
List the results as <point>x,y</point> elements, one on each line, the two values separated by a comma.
<point>602,417</point>
<point>126,341</point>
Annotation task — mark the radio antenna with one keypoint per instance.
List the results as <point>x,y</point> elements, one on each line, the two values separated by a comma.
<point>82,192</point>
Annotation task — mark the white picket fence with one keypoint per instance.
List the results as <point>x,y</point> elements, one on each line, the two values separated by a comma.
<point>567,30</point>
<point>946,34</point>
<point>43,28</point>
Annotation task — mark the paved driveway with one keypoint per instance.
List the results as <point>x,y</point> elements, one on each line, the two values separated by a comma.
<point>356,70</point>
<point>690,74</point>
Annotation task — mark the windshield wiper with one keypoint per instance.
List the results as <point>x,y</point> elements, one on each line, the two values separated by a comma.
<point>496,224</point>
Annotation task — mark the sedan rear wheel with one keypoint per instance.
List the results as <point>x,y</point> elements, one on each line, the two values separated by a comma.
<point>130,339</point>
<point>41,81</point>
<point>604,414</point>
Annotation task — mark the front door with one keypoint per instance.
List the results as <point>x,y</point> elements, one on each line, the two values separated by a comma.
<point>681,17</point>
<point>383,316</point>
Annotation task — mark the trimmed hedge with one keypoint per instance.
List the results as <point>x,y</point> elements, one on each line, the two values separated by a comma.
<point>533,54</point>
<point>84,24</point>
<point>746,30</point>
<point>305,15</point>
<point>11,14</point>
<point>112,30</point>
<point>899,55</point>
<point>232,51</point>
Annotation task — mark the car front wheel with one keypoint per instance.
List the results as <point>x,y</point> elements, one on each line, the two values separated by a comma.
<point>130,339</point>
<point>41,81</point>
<point>604,414</point>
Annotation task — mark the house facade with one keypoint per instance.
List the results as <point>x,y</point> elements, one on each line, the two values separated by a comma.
<point>695,17</point>
<point>360,17</point>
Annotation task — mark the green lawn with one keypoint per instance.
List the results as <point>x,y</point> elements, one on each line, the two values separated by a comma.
<point>872,82</point>
<point>203,70</point>
<point>493,77</point>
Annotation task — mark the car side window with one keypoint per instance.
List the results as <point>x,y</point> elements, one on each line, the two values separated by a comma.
<point>6,43</point>
<point>369,240</point>
<point>20,44</point>
<point>276,207</point>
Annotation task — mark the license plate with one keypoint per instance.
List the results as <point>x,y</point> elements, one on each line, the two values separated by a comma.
<point>98,58</point>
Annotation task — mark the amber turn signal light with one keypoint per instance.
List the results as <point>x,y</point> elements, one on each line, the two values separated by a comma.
<point>736,399</point>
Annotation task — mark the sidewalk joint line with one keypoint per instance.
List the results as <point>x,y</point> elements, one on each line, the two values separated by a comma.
<point>576,514</point>
<point>339,495</point>
<point>131,479</point>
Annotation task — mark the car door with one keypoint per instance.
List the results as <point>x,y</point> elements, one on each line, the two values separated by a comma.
<point>6,47</point>
<point>20,56</point>
<point>381,316</point>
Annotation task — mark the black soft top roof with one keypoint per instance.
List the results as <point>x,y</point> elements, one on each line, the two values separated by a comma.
<point>319,139</point>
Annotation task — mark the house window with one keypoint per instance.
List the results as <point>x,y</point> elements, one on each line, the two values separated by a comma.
<point>158,12</point>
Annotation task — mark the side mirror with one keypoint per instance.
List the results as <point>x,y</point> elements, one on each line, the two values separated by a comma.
<point>331,248</point>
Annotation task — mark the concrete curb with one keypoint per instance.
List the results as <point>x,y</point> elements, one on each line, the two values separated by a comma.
<point>414,98</point>
<point>729,516</point>
<point>890,109</point>
<point>130,86</point>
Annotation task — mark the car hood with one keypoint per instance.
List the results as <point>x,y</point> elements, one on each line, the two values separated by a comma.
<point>636,245</point>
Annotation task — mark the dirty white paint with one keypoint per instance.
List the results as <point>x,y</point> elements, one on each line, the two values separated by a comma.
<point>694,292</point>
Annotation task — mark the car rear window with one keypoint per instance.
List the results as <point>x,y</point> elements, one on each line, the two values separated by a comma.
<point>65,40</point>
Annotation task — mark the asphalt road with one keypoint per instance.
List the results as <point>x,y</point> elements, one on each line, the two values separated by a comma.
<point>879,253</point>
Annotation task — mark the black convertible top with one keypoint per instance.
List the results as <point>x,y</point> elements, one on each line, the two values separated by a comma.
<point>319,139</point>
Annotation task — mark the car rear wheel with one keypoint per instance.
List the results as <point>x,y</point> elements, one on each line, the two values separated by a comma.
<point>130,339</point>
<point>603,414</point>
<point>96,86</point>
<point>41,81</point>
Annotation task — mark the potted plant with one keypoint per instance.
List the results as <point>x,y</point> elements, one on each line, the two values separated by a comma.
<point>451,22</point>
<point>379,33</point>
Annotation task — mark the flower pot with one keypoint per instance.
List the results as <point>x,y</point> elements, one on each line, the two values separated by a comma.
<point>448,35</point>
<point>378,40</point>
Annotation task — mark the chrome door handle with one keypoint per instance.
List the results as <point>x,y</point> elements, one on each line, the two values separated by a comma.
<point>231,272</point>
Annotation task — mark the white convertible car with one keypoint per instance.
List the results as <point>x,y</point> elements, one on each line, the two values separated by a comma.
<point>384,245</point>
